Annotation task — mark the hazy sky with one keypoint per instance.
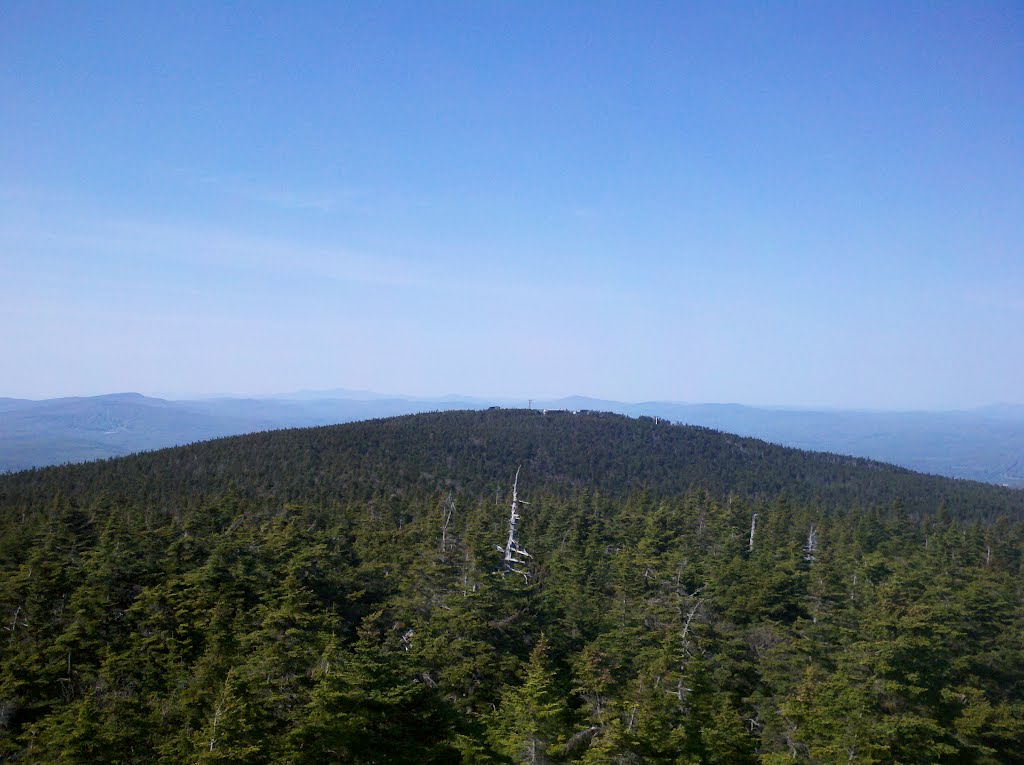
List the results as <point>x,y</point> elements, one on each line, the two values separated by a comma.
<point>781,203</point>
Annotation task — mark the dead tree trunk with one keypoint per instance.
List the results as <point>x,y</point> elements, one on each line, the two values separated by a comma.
<point>446,517</point>
<point>811,546</point>
<point>514,552</point>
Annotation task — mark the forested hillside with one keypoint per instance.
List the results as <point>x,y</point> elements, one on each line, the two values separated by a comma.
<point>477,451</point>
<point>339,595</point>
<point>984,444</point>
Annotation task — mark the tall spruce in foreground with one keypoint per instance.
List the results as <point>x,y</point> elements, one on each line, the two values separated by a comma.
<point>191,622</point>
<point>529,721</point>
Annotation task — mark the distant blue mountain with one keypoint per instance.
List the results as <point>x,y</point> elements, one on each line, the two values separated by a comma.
<point>55,431</point>
<point>985,444</point>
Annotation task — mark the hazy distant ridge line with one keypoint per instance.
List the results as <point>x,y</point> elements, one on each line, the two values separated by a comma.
<point>985,444</point>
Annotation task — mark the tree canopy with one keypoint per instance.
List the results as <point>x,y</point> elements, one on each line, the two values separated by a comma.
<point>338,595</point>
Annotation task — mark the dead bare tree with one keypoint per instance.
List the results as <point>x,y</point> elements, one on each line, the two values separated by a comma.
<point>812,545</point>
<point>447,510</point>
<point>690,607</point>
<point>514,552</point>
<point>753,527</point>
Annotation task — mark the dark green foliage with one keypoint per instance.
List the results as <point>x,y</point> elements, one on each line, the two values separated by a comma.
<point>286,598</point>
<point>476,452</point>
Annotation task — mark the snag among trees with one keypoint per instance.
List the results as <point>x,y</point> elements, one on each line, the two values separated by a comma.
<point>514,552</point>
<point>446,518</point>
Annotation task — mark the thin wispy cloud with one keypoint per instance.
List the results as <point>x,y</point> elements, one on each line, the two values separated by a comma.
<point>281,195</point>
<point>196,245</point>
<point>200,246</point>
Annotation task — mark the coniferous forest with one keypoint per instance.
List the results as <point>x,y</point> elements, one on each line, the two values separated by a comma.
<point>341,595</point>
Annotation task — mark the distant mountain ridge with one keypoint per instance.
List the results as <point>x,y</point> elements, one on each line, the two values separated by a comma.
<point>985,444</point>
<point>77,429</point>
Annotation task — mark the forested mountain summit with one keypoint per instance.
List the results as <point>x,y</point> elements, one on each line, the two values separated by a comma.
<point>985,444</point>
<point>475,452</point>
<point>371,593</point>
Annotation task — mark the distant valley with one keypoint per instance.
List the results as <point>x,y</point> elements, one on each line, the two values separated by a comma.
<point>984,444</point>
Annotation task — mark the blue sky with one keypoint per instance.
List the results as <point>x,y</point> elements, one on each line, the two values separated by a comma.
<point>806,204</point>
